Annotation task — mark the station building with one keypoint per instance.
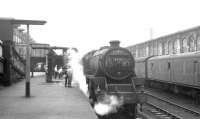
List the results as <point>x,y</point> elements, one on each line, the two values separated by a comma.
<point>14,44</point>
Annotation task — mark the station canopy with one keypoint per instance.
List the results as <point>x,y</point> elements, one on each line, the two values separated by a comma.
<point>28,22</point>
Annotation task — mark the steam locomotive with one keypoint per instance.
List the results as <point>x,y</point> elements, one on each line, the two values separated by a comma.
<point>110,71</point>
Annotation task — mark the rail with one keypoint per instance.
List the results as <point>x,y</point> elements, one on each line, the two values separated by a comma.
<point>159,112</point>
<point>177,105</point>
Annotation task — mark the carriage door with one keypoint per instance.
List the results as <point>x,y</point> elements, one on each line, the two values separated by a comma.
<point>165,70</point>
<point>197,71</point>
<point>169,67</point>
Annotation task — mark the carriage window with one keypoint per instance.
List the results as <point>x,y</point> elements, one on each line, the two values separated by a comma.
<point>198,43</point>
<point>143,51</point>
<point>140,52</point>
<point>136,53</point>
<point>155,49</point>
<point>177,46</point>
<point>151,50</point>
<point>166,48</point>
<point>191,44</point>
<point>147,50</point>
<point>185,45</point>
<point>160,49</point>
<point>171,47</point>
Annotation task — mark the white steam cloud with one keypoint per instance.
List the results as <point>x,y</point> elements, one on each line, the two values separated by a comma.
<point>108,104</point>
<point>76,67</point>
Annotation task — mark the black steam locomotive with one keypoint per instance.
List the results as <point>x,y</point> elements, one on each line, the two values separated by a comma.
<point>110,71</point>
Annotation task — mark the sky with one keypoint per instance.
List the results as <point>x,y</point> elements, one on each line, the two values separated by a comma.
<point>90,24</point>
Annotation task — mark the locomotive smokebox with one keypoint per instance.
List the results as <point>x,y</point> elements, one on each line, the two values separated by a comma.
<point>114,43</point>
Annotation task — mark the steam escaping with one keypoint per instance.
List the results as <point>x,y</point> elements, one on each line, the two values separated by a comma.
<point>74,62</point>
<point>108,104</point>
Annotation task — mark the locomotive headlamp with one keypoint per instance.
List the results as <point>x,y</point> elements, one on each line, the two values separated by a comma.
<point>98,90</point>
<point>119,73</point>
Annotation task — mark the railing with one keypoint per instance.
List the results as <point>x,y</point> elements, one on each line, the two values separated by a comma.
<point>14,64</point>
<point>17,62</point>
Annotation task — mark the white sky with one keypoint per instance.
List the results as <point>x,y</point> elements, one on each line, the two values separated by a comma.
<point>90,24</point>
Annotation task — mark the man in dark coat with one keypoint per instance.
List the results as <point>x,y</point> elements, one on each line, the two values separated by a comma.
<point>66,78</point>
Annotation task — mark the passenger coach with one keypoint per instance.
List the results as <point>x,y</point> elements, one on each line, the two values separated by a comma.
<point>171,62</point>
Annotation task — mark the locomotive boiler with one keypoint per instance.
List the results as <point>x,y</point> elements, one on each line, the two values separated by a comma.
<point>110,71</point>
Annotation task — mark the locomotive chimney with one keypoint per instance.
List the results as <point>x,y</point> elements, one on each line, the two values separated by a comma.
<point>114,43</point>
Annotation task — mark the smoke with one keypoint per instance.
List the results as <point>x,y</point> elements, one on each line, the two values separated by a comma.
<point>108,104</point>
<point>78,79</point>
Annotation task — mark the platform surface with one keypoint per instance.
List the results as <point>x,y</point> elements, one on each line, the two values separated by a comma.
<point>47,101</point>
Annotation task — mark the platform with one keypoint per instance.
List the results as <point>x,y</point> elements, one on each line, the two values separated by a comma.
<point>47,101</point>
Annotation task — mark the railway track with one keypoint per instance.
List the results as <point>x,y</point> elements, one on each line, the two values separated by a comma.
<point>165,109</point>
<point>160,113</point>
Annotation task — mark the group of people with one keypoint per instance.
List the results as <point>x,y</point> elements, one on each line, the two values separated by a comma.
<point>67,74</point>
<point>58,72</point>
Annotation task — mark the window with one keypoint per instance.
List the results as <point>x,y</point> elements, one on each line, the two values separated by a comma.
<point>151,50</point>
<point>177,46</point>
<point>198,43</point>
<point>171,47</point>
<point>147,50</point>
<point>166,51</point>
<point>191,44</point>
<point>143,51</point>
<point>139,52</point>
<point>136,53</point>
<point>155,49</point>
<point>159,48</point>
<point>185,45</point>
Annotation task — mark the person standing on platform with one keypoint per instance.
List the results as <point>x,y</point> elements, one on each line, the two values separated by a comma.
<point>60,72</point>
<point>70,76</point>
<point>55,71</point>
<point>66,78</point>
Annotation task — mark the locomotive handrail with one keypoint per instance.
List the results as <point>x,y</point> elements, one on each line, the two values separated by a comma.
<point>133,83</point>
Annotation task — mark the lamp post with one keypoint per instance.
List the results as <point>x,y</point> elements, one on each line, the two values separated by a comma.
<point>28,64</point>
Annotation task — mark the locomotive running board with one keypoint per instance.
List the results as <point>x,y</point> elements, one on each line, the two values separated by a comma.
<point>120,88</point>
<point>130,97</point>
